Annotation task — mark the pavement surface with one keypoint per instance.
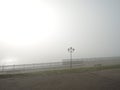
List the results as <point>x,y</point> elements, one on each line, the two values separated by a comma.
<point>93,80</point>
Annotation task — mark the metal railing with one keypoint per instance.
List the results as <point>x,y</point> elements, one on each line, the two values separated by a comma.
<point>4,69</point>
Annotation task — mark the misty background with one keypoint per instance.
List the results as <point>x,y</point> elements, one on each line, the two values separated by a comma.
<point>35,31</point>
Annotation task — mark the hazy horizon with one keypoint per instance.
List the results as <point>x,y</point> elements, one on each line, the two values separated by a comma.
<point>42,30</point>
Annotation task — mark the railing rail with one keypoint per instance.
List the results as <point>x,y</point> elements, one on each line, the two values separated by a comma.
<point>36,67</point>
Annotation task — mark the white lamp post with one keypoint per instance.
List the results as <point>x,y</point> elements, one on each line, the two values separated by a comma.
<point>71,50</point>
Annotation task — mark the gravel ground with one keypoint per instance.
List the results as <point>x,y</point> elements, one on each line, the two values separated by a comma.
<point>94,80</point>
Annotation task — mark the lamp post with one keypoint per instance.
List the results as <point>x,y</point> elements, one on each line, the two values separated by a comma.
<point>71,50</point>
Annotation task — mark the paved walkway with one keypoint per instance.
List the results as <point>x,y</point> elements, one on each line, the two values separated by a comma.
<point>97,80</point>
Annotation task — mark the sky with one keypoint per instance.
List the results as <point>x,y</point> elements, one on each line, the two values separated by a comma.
<point>36,31</point>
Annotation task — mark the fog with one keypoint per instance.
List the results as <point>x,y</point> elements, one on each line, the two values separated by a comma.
<point>35,31</point>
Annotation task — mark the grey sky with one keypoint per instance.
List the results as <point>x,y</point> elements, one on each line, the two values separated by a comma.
<point>41,30</point>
